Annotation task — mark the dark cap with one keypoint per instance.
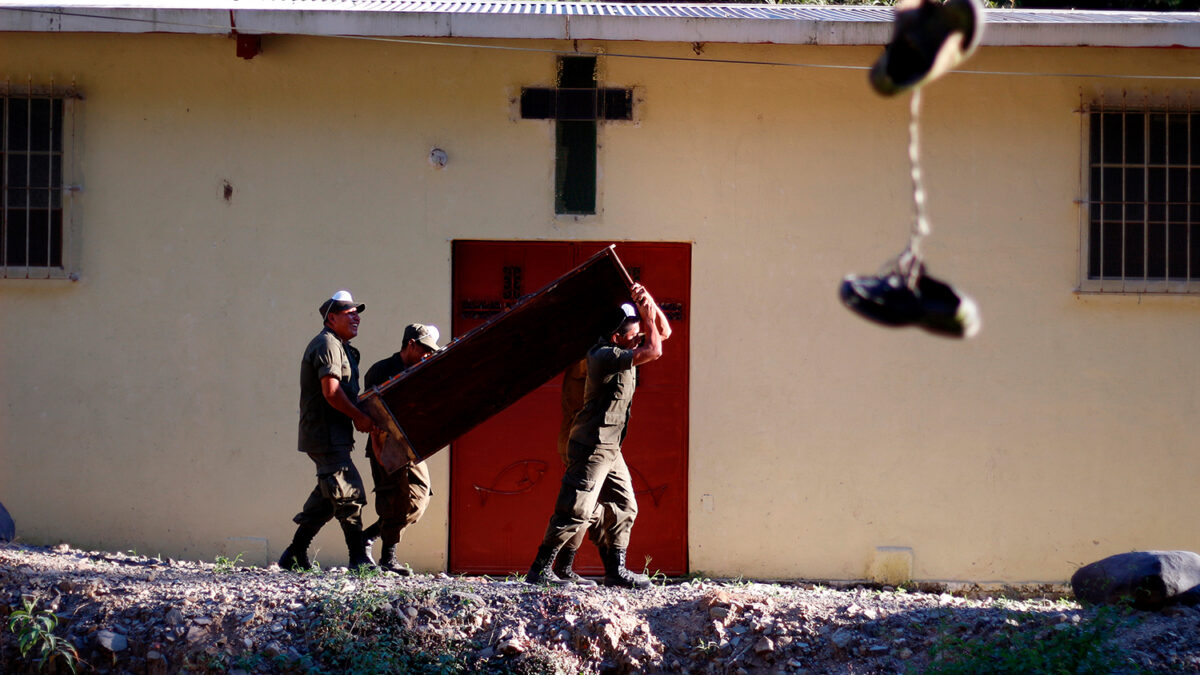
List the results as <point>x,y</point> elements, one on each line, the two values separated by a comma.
<point>617,316</point>
<point>339,302</point>
<point>426,335</point>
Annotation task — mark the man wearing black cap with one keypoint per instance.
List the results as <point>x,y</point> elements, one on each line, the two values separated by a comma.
<point>328,418</point>
<point>597,482</point>
<point>401,496</point>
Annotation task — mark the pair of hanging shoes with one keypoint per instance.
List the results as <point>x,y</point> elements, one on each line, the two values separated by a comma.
<point>930,304</point>
<point>930,38</point>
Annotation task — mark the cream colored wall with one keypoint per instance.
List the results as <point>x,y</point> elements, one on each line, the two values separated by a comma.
<point>152,405</point>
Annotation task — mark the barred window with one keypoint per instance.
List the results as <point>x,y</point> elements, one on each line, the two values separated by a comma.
<point>35,132</point>
<point>1143,204</point>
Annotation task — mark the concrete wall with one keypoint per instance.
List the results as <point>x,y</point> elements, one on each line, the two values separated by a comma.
<point>152,404</point>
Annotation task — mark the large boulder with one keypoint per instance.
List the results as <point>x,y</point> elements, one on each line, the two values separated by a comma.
<point>1147,580</point>
<point>8,529</point>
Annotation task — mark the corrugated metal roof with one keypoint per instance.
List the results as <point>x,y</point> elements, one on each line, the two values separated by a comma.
<point>661,22</point>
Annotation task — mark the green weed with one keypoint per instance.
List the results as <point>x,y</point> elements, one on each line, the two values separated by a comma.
<point>1032,647</point>
<point>706,646</point>
<point>366,572</point>
<point>359,633</point>
<point>34,629</point>
<point>223,565</point>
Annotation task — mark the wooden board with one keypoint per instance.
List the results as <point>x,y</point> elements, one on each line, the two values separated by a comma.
<point>434,402</point>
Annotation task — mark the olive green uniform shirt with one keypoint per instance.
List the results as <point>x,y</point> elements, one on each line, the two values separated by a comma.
<point>322,427</point>
<point>608,397</point>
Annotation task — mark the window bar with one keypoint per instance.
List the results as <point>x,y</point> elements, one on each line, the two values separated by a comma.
<point>1190,220</point>
<point>50,182</point>
<point>1097,198</point>
<point>1145,115</point>
<point>1124,152</point>
<point>28,171</point>
<point>4,184</point>
<point>1166,191</point>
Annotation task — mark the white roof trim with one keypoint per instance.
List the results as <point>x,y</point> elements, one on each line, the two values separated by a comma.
<point>654,22</point>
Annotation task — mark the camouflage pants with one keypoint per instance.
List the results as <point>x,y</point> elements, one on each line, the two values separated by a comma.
<point>339,492</point>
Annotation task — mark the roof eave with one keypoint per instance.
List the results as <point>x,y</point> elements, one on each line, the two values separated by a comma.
<point>435,24</point>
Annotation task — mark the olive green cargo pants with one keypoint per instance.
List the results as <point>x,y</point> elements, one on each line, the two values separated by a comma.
<point>597,484</point>
<point>339,492</point>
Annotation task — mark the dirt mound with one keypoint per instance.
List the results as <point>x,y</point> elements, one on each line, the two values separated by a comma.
<point>130,613</point>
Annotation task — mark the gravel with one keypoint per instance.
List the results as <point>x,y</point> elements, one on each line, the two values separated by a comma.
<point>131,613</point>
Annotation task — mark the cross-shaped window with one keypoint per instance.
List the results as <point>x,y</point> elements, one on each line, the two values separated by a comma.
<point>576,105</point>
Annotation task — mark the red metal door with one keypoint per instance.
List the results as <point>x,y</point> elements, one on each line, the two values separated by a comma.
<point>505,473</point>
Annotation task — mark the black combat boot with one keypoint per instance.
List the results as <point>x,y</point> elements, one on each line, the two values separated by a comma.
<point>562,567</point>
<point>541,571</point>
<point>356,547</point>
<point>295,556</point>
<point>387,557</point>
<point>615,573</point>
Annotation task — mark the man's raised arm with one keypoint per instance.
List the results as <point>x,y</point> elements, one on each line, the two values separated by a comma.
<point>651,347</point>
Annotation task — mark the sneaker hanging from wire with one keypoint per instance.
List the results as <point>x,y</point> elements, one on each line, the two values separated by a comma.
<point>904,295</point>
<point>886,298</point>
<point>944,310</point>
<point>929,39</point>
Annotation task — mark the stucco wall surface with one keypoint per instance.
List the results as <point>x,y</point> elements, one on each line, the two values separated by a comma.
<point>152,404</point>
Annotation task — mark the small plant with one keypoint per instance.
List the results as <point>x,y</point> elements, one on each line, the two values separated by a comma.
<point>1002,603</point>
<point>366,572</point>
<point>248,661</point>
<point>223,565</point>
<point>706,646</point>
<point>1029,647</point>
<point>35,634</point>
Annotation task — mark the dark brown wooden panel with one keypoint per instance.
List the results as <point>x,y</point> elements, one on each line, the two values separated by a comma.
<point>430,404</point>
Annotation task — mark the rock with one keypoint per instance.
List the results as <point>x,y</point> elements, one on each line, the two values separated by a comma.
<point>718,612</point>
<point>113,642</point>
<point>842,638</point>
<point>509,647</point>
<point>715,598</point>
<point>471,598</point>
<point>156,663</point>
<point>1148,580</point>
<point>195,634</point>
<point>764,646</point>
<point>8,529</point>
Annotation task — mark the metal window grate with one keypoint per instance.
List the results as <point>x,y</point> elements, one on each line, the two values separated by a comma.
<point>34,135</point>
<point>1143,205</point>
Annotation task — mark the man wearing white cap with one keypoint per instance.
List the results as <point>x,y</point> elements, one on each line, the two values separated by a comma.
<point>401,496</point>
<point>328,418</point>
<point>597,483</point>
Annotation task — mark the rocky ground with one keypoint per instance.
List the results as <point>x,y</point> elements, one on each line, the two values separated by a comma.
<point>128,613</point>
